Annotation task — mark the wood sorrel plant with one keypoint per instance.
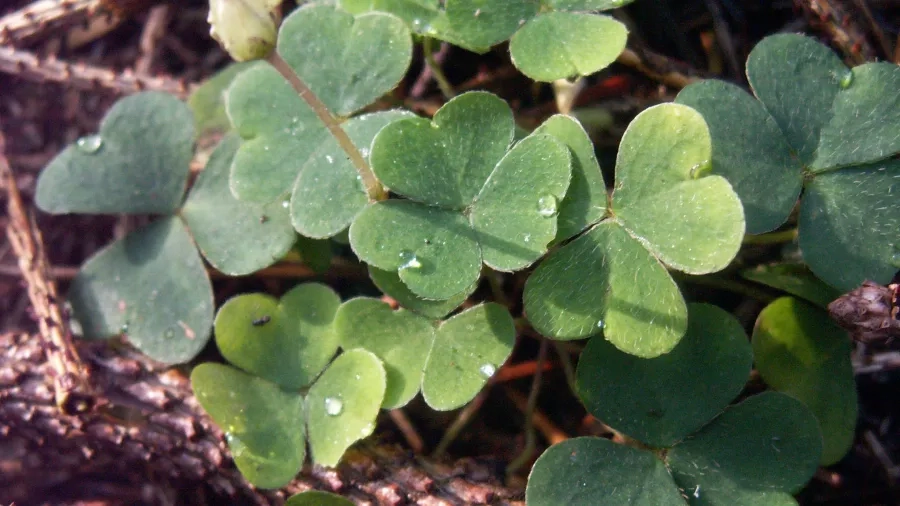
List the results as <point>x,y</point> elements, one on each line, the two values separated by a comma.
<point>308,370</point>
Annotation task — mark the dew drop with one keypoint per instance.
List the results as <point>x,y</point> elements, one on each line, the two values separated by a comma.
<point>237,446</point>
<point>285,203</point>
<point>329,158</point>
<point>124,328</point>
<point>600,324</point>
<point>89,143</point>
<point>527,238</point>
<point>487,370</point>
<point>408,260</point>
<point>547,206</point>
<point>333,406</point>
<point>847,80</point>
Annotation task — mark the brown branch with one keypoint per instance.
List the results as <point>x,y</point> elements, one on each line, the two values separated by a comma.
<point>42,17</point>
<point>841,25</point>
<point>81,76</point>
<point>656,67</point>
<point>71,380</point>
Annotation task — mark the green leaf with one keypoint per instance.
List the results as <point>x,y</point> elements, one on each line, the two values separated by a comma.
<point>122,169</point>
<point>317,498</point>
<point>343,404</point>
<point>795,279</point>
<point>315,253</point>
<point>796,79</point>
<point>329,192</point>
<point>472,200</point>
<point>281,134</point>
<point>690,222</point>
<point>585,201</point>
<point>801,352</point>
<point>347,61</point>
<point>401,339</point>
<point>468,350</point>
<point>479,24</point>
<point>590,471</point>
<point>287,342</point>
<point>434,251</point>
<point>850,224</point>
<point>601,281</point>
<point>236,237</point>
<point>445,161</point>
<point>514,215</point>
<point>451,361</point>
<point>759,166</point>
<point>151,286</point>
<point>207,101</point>
<point>753,454</point>
<point>660,401</point>
<point>263,424</point>
<point>560,45</point>
<point>586,5</point>
<point>866,118</point>
<point>389,282</point>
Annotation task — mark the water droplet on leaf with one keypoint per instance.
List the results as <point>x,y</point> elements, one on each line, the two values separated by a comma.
<point>285,203</point>
<point>487,370</point>
<point>847,80</point>
<point>600,324</point>
<point>124,328</point>
<point>547,206</point>
<point>333,406</point>
<point>237,446</point>
<point>408,260</point>
<point>89,144</point>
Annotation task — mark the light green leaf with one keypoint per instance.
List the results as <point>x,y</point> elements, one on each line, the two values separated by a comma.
<point>850,224</point>
<point>585,201</point>
<point>795,279</point>
<point>514,215</point>
<point>601,281</point>
<point>262,423</point>
<point>468,350</point>
<point>207,101</point>
<point>137,163</point>
<point>446,161</point>
<point>866,118</point>
<point>342,405</point>
<point>389,282</point>
<point>759,166</point>
<point>287,342</point>
<point>236,237</point>
<point>151,286</point>
<point>590,471</point>
<point>317,498</point>
<point>755,453</point>
<point>586,5</point>
<point>660,401</point>
<point>401,339</point>
<point>692,223</point>
<point>329,192</point>
<point>796,79</point>
<point>434,251</point>
<point>483,23</point>
<point>347,61</point>
<point>559,45</point>
<point>451,362</point>
<point>801,352</point>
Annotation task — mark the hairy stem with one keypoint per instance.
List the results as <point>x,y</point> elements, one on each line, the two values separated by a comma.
<point>530,443</point>
<point>439,77</point>
<point>373,187</point>
<point>778,237</point>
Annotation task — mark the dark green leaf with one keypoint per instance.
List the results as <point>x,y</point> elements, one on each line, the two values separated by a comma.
<point>137,163</point>
<point>151,286</point>
<point>795,279</point>
<point>207,101</point>
<point>389,282</point>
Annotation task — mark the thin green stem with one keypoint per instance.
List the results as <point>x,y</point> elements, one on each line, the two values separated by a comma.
<point>439,77</point>
<point>566,361</point>
<point>373,187</point>
<point>530,442</point>
<point>779,237</point>
<point>465,416</point>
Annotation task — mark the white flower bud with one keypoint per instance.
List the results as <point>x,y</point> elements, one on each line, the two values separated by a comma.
<point>247,29</point>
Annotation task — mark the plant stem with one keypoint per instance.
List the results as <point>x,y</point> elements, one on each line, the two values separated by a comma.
<point>373,187</point>
<point>772,237</point>
<point>523,457</point>
<point>465,416</point>
<point>439,77</point>
<point>566,361</point>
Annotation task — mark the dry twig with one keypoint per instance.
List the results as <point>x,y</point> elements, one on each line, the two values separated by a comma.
<point>42,17</point>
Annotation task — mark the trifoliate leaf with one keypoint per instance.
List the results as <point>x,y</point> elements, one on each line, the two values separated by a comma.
<point>390,283</point>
